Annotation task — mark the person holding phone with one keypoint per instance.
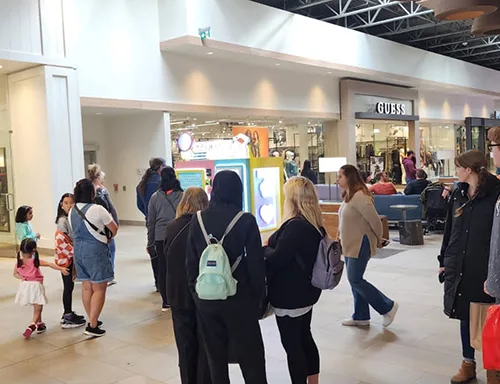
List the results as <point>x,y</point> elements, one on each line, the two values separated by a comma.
<point>360,231</point>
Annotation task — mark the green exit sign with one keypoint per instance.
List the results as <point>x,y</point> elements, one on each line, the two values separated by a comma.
<point>204,33</point>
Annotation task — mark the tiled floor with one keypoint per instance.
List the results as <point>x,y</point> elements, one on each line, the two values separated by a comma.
<point>422,346</point>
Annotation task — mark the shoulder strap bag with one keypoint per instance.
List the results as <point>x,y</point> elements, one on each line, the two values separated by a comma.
<point>108,235</point>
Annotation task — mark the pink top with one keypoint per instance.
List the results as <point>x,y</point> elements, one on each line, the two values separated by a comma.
<point>29,272</point>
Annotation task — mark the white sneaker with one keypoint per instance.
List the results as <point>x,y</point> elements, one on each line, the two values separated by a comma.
<point>389,317</point>
<point>355,323</point>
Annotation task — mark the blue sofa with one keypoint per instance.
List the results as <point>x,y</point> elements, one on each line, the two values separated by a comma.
<point>383,203</point>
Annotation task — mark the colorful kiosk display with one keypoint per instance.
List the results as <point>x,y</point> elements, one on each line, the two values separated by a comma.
<point>262,180</point>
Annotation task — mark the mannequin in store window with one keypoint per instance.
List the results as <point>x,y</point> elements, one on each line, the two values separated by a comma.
<point>290,165</point>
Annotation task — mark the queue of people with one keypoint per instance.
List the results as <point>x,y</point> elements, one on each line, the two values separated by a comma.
<point>185,228</point>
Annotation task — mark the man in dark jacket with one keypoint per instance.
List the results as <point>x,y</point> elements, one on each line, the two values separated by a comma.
<point>418,186</point>
<point>235,320</point>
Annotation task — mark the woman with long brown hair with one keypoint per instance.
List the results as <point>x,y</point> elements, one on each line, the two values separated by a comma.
<point>466,245</point>
<point>193,363</point>
<point>290,257</point>
<point>360,231</point>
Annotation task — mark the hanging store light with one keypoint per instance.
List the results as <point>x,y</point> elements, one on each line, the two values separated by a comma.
<point>487,24</point>
<point>460,9</point>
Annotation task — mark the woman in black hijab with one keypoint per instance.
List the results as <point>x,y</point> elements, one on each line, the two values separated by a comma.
<point>235,319</point>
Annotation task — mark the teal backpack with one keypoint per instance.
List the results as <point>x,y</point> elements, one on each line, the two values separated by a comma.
<point>215,280</point>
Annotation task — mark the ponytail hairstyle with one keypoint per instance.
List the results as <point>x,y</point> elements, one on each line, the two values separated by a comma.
<point>476,161</point>
<point>154,167</point>
<point>28,247</point>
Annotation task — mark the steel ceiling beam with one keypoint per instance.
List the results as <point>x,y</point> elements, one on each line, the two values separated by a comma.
<point>399,18</point>
<point>309,5</point>
<point>487,42</point>
<point>359,11</point>
<point>472,54</point>
<point>415,28</point>
<point>442,35</point>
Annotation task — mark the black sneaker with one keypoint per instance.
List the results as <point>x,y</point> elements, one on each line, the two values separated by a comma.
<point>94,332</point>
<point>72,321</point>
<point>79,317</point>
<point>41,328</point>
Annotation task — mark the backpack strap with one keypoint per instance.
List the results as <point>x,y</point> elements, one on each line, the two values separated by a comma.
<point>203,229</point>
<point>231,225</point>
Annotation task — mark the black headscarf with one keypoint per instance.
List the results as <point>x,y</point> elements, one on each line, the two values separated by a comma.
<point>227,190</point>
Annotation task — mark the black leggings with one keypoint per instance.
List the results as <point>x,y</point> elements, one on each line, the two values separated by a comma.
<point>301,351</point>
<point>68,291</point>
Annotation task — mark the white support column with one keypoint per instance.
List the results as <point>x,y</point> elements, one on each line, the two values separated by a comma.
<point>168,138</point>
<point>303,144</point>
<point>47,143</point>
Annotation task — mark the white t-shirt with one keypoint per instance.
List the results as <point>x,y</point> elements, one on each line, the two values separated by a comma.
<point>98,216</point>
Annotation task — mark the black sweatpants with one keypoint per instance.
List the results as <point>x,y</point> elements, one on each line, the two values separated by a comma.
<point>161,271</point>
<point>301,350</point>
<point>68,286</point>
<point>193,362</point>
<point>233,319</point>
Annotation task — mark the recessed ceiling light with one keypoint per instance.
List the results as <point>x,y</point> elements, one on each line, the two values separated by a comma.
<point>278,64</point>
<point>210,53</point>
<point>98,113</point>
<point>1,67</point>
<point>281,122</point>
<point>329,72</point>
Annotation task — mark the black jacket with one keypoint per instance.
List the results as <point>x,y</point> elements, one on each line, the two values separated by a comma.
<point>178,293</point>
<point>244,239</point>
<point>466,248</point>
<point>416,187</point>
<point>311,175</point>
<point>290,257</point>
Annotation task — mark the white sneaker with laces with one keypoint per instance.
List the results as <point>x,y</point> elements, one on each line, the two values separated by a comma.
<point>389,317</point>
<point>355,323</point>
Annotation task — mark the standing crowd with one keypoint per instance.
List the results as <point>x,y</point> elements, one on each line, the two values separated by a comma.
<point>218,280</point>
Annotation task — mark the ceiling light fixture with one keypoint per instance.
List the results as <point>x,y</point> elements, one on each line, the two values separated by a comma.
<point>210,53</point>
<point>278,64</point>
<point>98,113</point>
<point>1,67</point>
<point>460,9</point>
<point>487,24</point>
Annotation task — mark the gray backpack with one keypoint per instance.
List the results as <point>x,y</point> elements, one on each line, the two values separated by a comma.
<point>328,267</point>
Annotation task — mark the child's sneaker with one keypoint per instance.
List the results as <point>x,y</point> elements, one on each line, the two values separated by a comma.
<point>72,321</point>
<point>41,328</point>
<point>74,314</point>
<point>31,328</point>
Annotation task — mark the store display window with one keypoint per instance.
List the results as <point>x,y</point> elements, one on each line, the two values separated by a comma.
<point>438,148</point>
<point>381,146</point>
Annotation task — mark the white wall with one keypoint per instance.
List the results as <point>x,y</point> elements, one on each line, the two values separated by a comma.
<point>126,144</point>
<point>33,30</point>
<point>254,25</point>
<point>47,141</point>
<point>439,106</point>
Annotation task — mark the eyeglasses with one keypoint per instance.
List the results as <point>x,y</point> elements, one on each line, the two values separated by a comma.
<point>491,146</point>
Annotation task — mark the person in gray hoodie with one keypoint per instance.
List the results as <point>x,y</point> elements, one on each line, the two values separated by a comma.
<point>492,284</point>
<point>162,210</point>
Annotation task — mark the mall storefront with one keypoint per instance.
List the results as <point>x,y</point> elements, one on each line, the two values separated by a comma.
<point>380,124</point>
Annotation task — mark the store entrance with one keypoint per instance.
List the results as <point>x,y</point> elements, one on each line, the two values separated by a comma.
<point>476,135</point>
<point>381,146</point>
<point>8,242</point>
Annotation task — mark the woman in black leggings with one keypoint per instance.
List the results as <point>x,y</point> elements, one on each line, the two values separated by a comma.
<point>290,258</point>
<point>64,258</point>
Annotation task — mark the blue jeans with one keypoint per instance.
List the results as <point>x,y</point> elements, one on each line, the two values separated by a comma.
<point>364,293</point>
<point>112,251</point>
